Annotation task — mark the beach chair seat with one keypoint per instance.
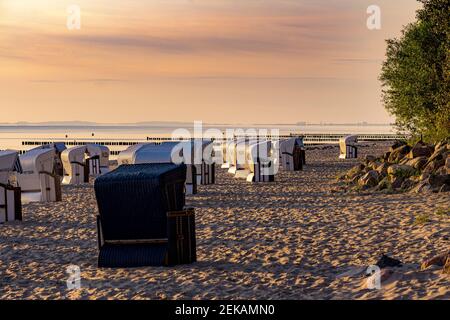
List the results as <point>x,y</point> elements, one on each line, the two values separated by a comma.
<point>142,220</point>
<point>259,162</point>
<point>348,148</point>
<point>93,165</point>
<point>236,155</point>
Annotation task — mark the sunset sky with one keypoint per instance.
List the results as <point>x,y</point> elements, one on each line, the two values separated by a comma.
<point>220,61</point>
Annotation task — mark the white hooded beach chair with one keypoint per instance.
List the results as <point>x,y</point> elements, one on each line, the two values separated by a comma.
<point>10,195</point>
<point>75,169</point>
<point>236,154</point>
<point>347,146</point>
<point>165,152</point>
<point>97,159</point>
<point>38,181</point>
<point>259,162</point>
<point>227,146</point>
<point>292,154</point>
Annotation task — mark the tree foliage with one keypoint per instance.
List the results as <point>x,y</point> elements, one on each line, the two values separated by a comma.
<point>415,74</point>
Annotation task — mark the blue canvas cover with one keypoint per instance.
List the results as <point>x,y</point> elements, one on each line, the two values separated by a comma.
<point>133,202</point>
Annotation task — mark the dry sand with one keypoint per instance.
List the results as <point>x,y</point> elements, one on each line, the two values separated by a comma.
<point>297,238</point>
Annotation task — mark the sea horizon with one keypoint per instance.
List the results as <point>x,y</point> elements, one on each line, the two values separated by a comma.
<point>116,136</point>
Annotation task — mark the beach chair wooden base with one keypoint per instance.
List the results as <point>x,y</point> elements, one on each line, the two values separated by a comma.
<point>80,174</point>
<point>10,203</point>
<point>225,166</point>
<point>191,179</point>
<point>181,236</point>
<point>210,178</point>
<point>258,174</point>
<point>51,187</point>
<point>297,159</point>
<point>206,173</point>
<point>178,248</point>
<point>58,189</point>
<point>232,170</point>
<point>351,153</point>
<point>253,178</point>
<point>48,188</point>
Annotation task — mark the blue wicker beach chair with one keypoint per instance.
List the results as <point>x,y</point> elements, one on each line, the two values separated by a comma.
<point>142,220</point>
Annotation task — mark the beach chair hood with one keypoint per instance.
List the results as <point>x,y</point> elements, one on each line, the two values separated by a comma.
<point>37,160</point>
<point>9,163</point>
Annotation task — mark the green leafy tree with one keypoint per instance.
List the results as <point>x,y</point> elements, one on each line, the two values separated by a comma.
<point>415,74</point>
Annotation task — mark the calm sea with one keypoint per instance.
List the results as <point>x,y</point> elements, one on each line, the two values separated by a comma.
<point>12,136</point>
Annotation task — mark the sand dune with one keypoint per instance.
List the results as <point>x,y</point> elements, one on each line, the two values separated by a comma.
<point>298,238</point>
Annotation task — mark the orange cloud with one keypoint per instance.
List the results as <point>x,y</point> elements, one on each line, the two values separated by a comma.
<point>299,56</point>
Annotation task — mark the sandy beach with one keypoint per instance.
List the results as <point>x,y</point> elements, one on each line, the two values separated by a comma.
<point>301,237</point>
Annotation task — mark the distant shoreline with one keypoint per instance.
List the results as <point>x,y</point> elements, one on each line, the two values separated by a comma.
<point>174,123</point>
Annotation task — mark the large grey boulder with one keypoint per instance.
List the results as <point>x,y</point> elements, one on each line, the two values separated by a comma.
<point>418,163</point>
<point>420,150</point>
<point>385,156</point>
<point>438,181</point>
<point>396,182</point>
<point>369,180</point>
<point>442,143</point>
<point>433,166</point>
<point>423,186</point>
<point>382,168</point>
<point>439,155</point>
<point>397,144</point>
<point>369,158</point>
<point>408,184</point>
<point>355,171</point>
<point>401,170</point>
<point>399,153</point>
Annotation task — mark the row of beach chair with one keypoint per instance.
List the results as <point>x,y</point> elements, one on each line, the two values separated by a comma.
<point>37,175</point>
<point>258,160</point>
<point>143,219</point>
